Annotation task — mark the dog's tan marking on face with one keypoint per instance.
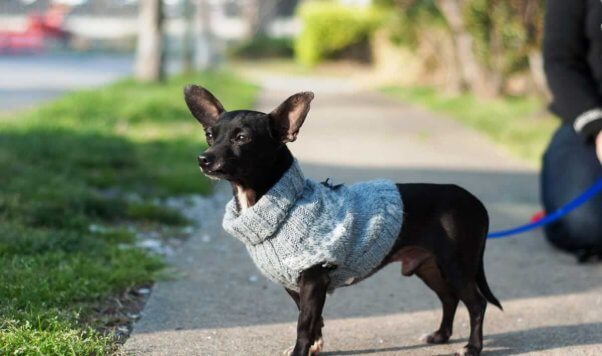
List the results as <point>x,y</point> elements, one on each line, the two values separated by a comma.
<point>209,176</point>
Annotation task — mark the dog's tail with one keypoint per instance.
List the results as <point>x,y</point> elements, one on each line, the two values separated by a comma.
<point>484,287</point>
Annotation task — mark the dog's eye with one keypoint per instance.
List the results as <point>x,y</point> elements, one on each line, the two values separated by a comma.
<point>241,138</point>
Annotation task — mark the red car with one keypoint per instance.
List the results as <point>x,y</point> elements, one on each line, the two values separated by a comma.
<point>40,31</point>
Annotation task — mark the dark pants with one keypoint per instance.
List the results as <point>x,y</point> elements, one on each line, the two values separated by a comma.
<point>570,167</point>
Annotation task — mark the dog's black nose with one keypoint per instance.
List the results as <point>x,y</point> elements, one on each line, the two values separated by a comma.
<point>204,161</point>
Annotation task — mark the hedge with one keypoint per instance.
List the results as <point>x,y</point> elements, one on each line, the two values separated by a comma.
<point>329,27</point>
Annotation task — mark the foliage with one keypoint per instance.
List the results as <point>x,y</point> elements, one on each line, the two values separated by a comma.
<point>262,46</point>
<point>409,18</point>
<point>505,31</point>
<point>508,121</point>
<point>93,158</point>
<point>330,27</point>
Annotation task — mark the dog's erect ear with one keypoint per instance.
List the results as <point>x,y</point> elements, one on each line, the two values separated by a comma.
<point>203,105</point>
<point>287,118</point>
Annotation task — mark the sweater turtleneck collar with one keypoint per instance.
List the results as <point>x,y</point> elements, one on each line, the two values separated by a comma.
<point>259,222</point>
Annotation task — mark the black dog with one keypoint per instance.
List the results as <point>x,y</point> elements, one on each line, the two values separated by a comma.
<point>443,234</point>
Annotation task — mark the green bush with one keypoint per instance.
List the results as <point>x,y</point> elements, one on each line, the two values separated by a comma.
<point>330,27</point>
<point>407,20</point>
<point>264,47</point>
<point>505,32</point>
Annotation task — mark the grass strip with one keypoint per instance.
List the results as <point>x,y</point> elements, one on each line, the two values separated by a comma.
<point>73,173</point>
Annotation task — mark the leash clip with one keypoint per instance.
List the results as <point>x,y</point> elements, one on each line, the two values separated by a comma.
<point>328,183</point>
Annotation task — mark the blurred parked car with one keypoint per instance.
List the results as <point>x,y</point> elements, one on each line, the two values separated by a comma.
<point>42,31</point>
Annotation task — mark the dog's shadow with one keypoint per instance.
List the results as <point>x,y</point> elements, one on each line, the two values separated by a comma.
<point>515,342</point>
<point>376,350</point>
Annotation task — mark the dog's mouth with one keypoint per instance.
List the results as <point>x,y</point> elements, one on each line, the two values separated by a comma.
<point>219,173</point>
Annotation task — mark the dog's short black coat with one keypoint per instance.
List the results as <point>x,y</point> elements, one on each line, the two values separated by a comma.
<point>442,239</point>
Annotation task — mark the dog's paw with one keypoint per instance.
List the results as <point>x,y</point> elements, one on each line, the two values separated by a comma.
<point>468,350</point>
<point>438,337</point>
<point>316,347</point>
<point>313,350</point>
<point>289,351</point>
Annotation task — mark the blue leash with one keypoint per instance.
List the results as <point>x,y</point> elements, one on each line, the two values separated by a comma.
<point>562,211</point>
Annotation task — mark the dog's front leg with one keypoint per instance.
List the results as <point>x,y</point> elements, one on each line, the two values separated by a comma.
<point>319,343</point>
<point>313,284</point>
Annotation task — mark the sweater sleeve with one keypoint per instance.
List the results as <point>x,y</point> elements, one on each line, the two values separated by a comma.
<point>576,97</point>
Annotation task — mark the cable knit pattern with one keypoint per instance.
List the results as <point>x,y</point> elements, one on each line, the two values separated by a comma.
<point>300,223</point>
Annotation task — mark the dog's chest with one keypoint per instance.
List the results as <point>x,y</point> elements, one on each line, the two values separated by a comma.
<point>245,198</point>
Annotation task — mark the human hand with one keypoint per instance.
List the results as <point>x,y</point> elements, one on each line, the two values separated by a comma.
<point>599,146</point>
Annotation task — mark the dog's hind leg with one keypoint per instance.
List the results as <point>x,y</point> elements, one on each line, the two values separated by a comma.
<point>431,276</point>
<point>476,305</point>
<point>420,261</point>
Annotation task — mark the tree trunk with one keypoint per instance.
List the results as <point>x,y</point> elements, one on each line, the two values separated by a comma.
<point>149,55</point>
<point>471,76</point>
<point>538,76</point>
<point>187,55</point>
<point>495,74</point>
<point>205,48</point>
<point>258,15</point>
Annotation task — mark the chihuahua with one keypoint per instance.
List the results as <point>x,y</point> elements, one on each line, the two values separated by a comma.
<point>441,238</point>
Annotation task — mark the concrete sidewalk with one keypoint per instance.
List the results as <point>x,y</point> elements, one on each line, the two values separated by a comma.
<point>222,305</point>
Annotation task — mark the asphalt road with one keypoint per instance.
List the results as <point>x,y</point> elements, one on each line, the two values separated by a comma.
<point>27,80</point>
<point>220,305</point>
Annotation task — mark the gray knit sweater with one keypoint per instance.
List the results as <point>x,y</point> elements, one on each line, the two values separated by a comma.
<point>300,223</point>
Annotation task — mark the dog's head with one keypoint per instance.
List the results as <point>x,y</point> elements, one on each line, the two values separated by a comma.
<point>244,143</point>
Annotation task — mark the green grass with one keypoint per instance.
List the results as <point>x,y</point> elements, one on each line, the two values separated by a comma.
<point>93,158</point>
<point>518,124</point>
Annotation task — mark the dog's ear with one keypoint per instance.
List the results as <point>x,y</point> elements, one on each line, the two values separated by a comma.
<point>203,105</point>
<point>287,118</point>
